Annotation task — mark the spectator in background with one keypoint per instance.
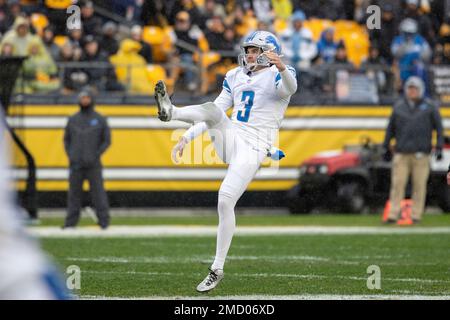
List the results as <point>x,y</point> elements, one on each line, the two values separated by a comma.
<point>382,38</point>
<point>108,41</point>
<point>265,25</point>
<point>298,47</point>
<point>341,58</point>
<point>212,9</point>
<point>153,13</point>
<point>191,8</point>
<point>411,51</point>
<point>76,38</point>
<point>393,6</point>
<point>7,50</point>
<point>376,68</point>
<point>231,42</point>
<point>55,11</point>
<point>39,70</point>
<point>101,76</point>
<point>146,49</point>
<point>48,38</point>
<point>15,8</point>
<point>74,78</point>
<point>20,36</point>
<point>412,122</point>
<point>91,23</point>
<point>6,18</point>
<point>442,49</point>
<point>86,137</point>
<point>137,11</point>
<point>130,67</point>
<point>30,6</point>
<point>186,36</point>
<point>425,26</point>
<point>93,54</point>
<point>339,65</point>
<point>262,9</point>
<point>360,10</point>
<point>215,33</point>
<point>327,45</point>
<point>242,22</point>
<point>123,8</point>
<point>282,9</point>
<point>322,9</point>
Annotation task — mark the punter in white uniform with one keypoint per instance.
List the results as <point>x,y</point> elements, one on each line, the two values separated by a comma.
<point>259,91</point>
<point>25,272</point>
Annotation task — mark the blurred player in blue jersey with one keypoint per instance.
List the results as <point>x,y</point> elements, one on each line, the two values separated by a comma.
<point>259,90</point>
<point>25,272</point>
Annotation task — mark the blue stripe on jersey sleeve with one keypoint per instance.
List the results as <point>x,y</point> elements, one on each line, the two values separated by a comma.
<point>226,86</point>
<point>277,79</point>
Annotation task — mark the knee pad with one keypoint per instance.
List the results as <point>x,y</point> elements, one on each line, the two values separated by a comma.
<point>214,112</point>
<point>226,203</point>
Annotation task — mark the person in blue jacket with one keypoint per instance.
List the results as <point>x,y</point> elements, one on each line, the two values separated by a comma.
<point>411,51</point>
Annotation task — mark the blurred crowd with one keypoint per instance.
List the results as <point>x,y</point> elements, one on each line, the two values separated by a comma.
<point>127,45</point>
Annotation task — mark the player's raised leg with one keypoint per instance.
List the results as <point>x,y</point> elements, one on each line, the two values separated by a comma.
<point>163,102</point>
<point>207,112</point>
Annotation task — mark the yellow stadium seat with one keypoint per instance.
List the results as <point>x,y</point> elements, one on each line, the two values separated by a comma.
<point>203,43</point>
<point>280,25</point>
<point>39,22</point>
<point>200,3</point>
<point>58,4</point>
<point>317,26</point>
<point>249,23</point>
<point>346,25</point>
<point>155,73</point>
<point>153,35</point>
<point>160,41</point>
<point>60,40</point>
<point>357,44</point>
<point>210,58</point>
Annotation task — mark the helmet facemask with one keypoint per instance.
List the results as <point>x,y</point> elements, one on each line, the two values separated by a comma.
<point>261,59</point>
<point>265,42</point>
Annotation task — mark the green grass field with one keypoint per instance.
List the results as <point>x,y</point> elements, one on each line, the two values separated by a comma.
<point>269,265</point>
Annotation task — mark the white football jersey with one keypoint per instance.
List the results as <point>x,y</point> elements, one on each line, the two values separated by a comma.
<point>259,104</point>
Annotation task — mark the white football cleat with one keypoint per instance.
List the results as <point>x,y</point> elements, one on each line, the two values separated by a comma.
<point>211,281</point>
<point>163,102</point>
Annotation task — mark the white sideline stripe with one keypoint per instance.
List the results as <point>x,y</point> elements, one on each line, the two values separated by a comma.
<point>270,275</point>
<point>114,122</point>
<point>278,297</point>
<point>378,123</point>
<point>161,231</point>
<point>207,259</point>
<point>161,174</point>
<point>165,259</point>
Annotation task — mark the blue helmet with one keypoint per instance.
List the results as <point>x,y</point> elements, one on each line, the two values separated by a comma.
<point>264,40</point>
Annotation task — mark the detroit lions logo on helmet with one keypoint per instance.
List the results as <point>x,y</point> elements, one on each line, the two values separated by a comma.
<point>270,39</point>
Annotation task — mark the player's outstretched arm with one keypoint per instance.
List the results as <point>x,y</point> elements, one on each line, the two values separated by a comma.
<point>288,84</point>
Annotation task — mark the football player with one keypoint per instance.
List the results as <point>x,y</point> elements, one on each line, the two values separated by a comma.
<point>259,91</point>
<point>25,272</point>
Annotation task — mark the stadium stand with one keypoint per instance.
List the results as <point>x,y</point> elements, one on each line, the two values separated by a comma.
<point>359,69</point>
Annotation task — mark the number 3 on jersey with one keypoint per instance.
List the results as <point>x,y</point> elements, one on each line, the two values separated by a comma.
<point>247,97</point>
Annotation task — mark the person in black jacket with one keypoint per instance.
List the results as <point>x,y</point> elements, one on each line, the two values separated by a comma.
<point>87,136</point>
<point>412,122</point>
